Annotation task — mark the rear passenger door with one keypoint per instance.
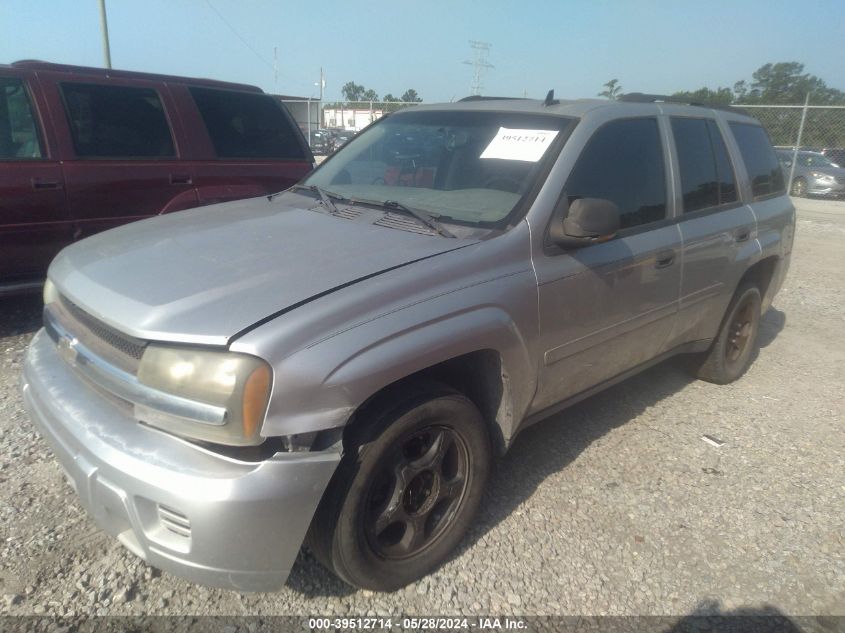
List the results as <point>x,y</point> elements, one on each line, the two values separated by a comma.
<point>33,217</point>
<point>125,162</point>
<point>717,229</point>
<point>609,307</point>
<point>247,143</point>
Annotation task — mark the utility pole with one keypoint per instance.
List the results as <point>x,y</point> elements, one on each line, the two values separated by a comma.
<point>322,85</point>
<point>104,27</point>
<point>276,69</point>
<point>479,65</point>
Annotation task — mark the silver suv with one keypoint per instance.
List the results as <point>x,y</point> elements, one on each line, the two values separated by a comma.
<point>346,359</point>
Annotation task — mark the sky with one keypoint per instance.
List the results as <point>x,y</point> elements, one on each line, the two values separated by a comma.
<point>572,46</point>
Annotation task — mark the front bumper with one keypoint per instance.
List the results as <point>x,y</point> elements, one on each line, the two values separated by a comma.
<point>208,518</point>
<point>825,188</point>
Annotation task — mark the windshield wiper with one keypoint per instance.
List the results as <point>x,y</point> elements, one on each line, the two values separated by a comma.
<point>325,196</point>
<point>419,214</point>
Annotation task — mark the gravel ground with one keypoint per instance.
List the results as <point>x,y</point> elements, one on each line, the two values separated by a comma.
<point>616,506</point>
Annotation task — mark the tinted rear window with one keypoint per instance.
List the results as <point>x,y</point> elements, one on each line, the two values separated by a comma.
<point>116,121</point>
<point>707,179</point>
<point>247,125</point>
<point>759,158</point>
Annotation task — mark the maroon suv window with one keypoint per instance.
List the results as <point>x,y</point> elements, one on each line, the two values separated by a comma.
<point>18,130</point>
<point>247,125</point>
<point>116,122</point>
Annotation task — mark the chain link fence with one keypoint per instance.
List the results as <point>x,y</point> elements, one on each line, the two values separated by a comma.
<point>823,127</point>
<point>810,128</point>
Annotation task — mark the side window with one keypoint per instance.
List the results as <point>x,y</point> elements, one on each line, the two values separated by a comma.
<point>707,179</point>
<point>116,121</point>
<point>759,158</point>
<point>18,130</point>
<point>623,162</point>
<point>246,125</point>
<point>699,181</point>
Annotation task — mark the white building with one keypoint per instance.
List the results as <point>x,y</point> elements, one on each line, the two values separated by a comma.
<point>350,118</point>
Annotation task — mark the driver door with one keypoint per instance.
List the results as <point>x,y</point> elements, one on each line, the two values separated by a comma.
<point>608,307</point>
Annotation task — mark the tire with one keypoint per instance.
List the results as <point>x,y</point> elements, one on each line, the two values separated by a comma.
<point>406,491</point>
<point>799,188</point>
<point>732,351</point>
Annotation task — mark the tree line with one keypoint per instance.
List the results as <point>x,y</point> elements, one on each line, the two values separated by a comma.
<point>356,92</point>
<point>782,83</point>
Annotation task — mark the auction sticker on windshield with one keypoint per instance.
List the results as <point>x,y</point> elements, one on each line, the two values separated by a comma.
<point>527,145</point>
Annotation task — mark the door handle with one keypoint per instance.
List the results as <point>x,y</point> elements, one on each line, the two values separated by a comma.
<point>742,235</point>
<point>39,184</point>
<point>180,179</point>
<point>665,258</point>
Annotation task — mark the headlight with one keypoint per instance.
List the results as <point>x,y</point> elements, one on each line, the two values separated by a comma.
<point>50,292</point>
<point>819,176</point>
<point>236,383</point>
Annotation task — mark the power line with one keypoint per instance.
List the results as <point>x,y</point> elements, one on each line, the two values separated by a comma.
<point>238,35</point>
<point>273,64</point>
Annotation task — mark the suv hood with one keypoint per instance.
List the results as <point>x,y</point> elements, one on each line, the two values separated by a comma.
<point>204,275</point>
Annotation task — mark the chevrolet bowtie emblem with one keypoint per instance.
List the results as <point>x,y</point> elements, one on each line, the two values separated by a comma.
<point>67,349</point>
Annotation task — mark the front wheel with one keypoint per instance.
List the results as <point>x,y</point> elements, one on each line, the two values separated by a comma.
<point>406,491</point>
<point>731,353</point>
<point>799,188</point>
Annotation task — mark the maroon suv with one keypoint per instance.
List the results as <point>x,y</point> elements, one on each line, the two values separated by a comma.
<point>86,149</point>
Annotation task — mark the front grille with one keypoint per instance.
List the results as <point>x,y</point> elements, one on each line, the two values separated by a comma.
<point>174,521</point>
<point>112,346</point>
<point>405,223</point>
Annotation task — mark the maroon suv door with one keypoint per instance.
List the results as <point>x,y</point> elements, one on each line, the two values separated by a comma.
<point>125,160</point>
<point>34,223</point>
<point>244,144</point>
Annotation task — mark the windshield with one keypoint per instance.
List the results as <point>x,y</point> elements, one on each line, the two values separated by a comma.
<point>472,168</point>
<point>815,160</point>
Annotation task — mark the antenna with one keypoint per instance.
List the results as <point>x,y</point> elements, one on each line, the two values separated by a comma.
<point>479,65</point>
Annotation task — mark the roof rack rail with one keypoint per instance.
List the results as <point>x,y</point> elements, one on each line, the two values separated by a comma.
<point>639,97</point>
<point>481,98</point>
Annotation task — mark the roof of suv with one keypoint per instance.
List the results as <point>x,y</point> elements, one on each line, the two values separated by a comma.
<point>36,65</point>
<point>579,107</point>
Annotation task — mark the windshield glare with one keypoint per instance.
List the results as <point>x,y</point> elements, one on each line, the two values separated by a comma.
<point>458,166</point>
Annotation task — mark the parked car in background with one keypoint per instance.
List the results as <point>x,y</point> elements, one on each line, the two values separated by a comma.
<point>86,149</point>
<point>342,137</point>
<point>815,174</point>
<point>348,358</point>
<point>322,142</point>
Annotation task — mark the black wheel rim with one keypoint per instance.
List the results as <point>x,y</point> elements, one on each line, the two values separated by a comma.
<point>739,334</point>
<point>414,498</point>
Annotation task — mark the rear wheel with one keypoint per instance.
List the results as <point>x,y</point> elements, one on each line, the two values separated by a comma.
<point>406,491</point>
<point>730,355</point>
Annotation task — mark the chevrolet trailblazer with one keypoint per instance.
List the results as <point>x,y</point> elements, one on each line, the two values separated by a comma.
<point>345,359</point>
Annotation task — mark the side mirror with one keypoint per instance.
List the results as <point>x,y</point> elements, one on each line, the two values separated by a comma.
<point>589,221</point>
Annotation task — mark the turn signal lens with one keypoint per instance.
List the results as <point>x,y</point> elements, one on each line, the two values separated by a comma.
<point>256,395</point>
